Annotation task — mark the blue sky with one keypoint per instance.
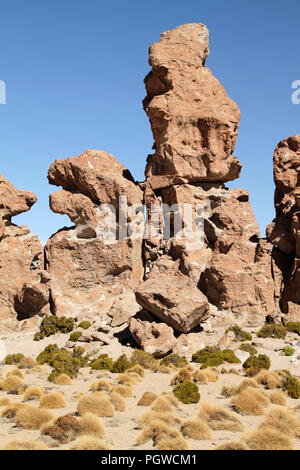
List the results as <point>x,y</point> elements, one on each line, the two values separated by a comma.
<point>74,74</point>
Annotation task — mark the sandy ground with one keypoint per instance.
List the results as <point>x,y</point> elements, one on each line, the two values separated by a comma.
<point>122,429</point>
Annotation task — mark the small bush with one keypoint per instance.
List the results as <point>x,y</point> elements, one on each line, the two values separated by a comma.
<point>11,359</point>
<point>62,361</point>
<point>272,330</point>
<point>98,405</point>
<point>147,399</point>
<point>175,360</point>
<point>102,362</point>
<point>187,392</point>
<point>85,325</point>
<point>288,350</point>
<point>143,359</point>
<point>293,327</point>
<point>121,364</point>
<point>53,400</point>
<point>292,385</point>
<point>214,357</point>
<point>248,348</point>
<point>196,429</point>
<point>52,325</point>
<point>240,334</point>
<point>74,337</point>
<point>255,363</point>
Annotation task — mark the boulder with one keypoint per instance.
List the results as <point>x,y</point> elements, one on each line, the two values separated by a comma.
<point>154,338</point>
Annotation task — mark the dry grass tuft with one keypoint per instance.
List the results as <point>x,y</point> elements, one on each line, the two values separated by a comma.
<point>12,384</point>
<point>229,391</point>
<point>63,379</point>
<point>53,400</point>
<point>69,424</point>
<point>90,424</point>
<point>16,372</point>
<point>89,443</point>
<point>170,397</point>
<point>200,377</point>
<point>10,411</point>
<point>250,401</point>
<point>247,383</point>
<point>96,404</point>
<point>30,417</point>
<point>147,399</point>
<point>278,397</point>
<point>5,401</point>
<point>148,416</point>
<point>22,444</point>
<point>124,390</point>
<point>161,405</point>
<point>164,369</point>
<point>182,376</point>
<point>138,370</point>
<point>283,420</point>
<point>27,363</point>
<point>269,379</point>
<point>125,379</point>
<point>210,374</point>
<point>233,445</point>
<point>99,385</point>
<point>33,392</point>
<point>267,438</point>
<point>173,444</point>
<point>55,432</point>
<point>118,401</point>
<point>157,430</point>
<point>218,418</point>
<point>196,429</point>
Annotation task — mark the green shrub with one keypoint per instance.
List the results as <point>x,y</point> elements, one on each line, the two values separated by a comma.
<point>75,336</point>
<point>248,348</point>
<point>214,357</point>
<point>292,385</point>
<point>85,324</point>
<point>272,330</point>
<point>288,350</point>
<point>11,359</point>
<point>174,359</point>
<point>293,327</point>
<point>187,392</point>
<point>51,325</point>
<point>102,362</point>
<point>62,360</point>
<point>143,359</point>
<point>121,364</point>
<point>240,334</point>
<point>255,363</point>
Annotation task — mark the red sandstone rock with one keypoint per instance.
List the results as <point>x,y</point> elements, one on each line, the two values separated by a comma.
<point>154,338</point>
<point>194,123</point>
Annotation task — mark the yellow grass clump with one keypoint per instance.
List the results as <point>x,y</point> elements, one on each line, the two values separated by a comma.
<point>148,416</point>
<point>124,390</point>
<point>233,445</point>
<point>88,442</point>
<point>178,443</point>
<point>247,383</point>
<point>196,429</point>
<point>170,397</point>
<point>269,379</point>
<point>278,397</point>
<point>63,379</point>
<point>22,444</point>
<point>200,377</point>
<point>138,370</point>
<point>27,363</point>
<point>12,384</point>
<point>161,405</point>
<point>55,432</point>
<point>16,372</point>
<point>31,417</point>
<point>90,424</point>
<point>268,438</point>
<point>147,399</point>
<point>157,430</point>
<point>53,400</point>
<point>99,385</point>
<point>229,391</point>
<point>218,418</point>
<point>10,411</point>
<point>33,392</point>
<point>118,401</point>
<point>125,379</point>
<point>182,376</point>
<point>250,401</point>
<point>164,369</point>
<point>283,420</point>
<point>5,401</point>
<point>96,404</point>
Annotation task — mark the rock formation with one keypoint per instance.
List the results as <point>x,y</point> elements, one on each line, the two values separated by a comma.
<point>94,270</point>
<point>24,287</point>
<point>284,231</point>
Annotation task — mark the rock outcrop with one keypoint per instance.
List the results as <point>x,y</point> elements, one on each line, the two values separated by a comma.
<point>94,265</point>
<point>24,286</point>
<point>284,231</point>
